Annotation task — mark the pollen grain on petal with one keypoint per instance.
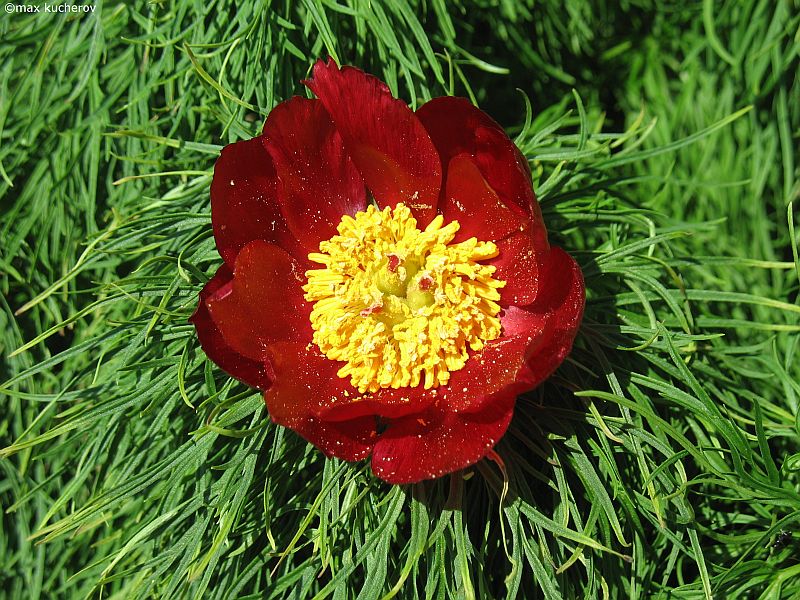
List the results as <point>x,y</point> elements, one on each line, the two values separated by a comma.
<point>398,306</point>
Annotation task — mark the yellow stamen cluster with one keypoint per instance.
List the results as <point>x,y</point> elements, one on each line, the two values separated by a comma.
<point>398,305</point>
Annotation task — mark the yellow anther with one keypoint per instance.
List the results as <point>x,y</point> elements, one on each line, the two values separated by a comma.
<point>399,306</point>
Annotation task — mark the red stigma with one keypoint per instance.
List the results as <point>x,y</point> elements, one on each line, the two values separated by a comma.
<point>370,310</point>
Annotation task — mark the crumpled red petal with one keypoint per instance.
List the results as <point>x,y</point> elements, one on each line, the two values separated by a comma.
<point>385,403</point>
<point>244,204</point>
<point>385,139</point>
<point>214,345</point>
<point>317,181</point>
<point>304,380</point>
<point>348,440</point>
<point>263,302</point>
<point>438,441</point>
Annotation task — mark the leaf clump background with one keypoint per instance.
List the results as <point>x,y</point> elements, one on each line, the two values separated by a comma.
<point>660,461</point>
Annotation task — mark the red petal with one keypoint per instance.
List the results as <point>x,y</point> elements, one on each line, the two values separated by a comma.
<point>350,440</point>
<point>500,367</point>
<point>457,127</point>
<point>263,303</point>
<point>317,181</point>
<point>560,304</point>
<point>301,371</point>
<point>388,144</point>
<point>469,200</point>
<point>304,381</point>
<point>437,442</point>
<point>244,206</point>
<point>385,403</point>
<point>519,265</point>
<point>249,371</point>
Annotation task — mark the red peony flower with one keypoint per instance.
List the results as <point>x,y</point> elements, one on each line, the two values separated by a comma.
<point>387,280</point>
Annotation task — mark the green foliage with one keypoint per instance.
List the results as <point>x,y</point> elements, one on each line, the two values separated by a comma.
<point>660,461</point>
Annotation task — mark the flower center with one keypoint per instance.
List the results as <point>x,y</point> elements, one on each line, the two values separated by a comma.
<point>399,305</point>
